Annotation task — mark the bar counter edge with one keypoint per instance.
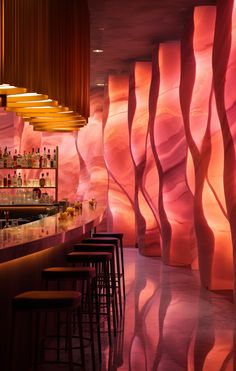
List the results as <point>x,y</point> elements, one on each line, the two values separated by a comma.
<point>40,244</point>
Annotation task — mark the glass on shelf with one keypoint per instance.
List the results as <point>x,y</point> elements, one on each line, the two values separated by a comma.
<point>6,215</point>
<point>14,223</point>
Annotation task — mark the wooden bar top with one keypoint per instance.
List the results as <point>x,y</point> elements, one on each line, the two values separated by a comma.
<point>50,231</point>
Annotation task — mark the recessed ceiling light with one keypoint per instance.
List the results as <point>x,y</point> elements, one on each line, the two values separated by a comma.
<point>100,84</point>
<point>97,51</point>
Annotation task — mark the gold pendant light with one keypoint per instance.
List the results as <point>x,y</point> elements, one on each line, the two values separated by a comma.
<point>43,113</point>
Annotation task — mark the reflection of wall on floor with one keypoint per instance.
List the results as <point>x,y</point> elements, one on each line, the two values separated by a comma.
<point>159,149</point>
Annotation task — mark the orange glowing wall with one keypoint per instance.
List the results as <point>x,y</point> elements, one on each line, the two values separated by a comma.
<point>118,160</point>
<point>178,145</point>
<point>178,238</point>
<point>160,149</point>
<point>205,143</point>
<point>147,227</point>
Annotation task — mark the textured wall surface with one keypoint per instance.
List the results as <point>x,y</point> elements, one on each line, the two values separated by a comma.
<point>159,149</point>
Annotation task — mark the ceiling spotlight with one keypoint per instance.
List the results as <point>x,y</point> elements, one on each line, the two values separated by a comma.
<point>97,51</point>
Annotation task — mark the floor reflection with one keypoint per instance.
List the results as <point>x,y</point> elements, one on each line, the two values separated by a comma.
<point>171,323</point>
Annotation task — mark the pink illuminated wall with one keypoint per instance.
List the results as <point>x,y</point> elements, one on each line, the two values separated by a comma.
<point>118,160</point>
<point>82,171</point>
<point>159,149</point>
<point>224,63</point>
<point>147,226</point>
<point>205,142</point>
<point>178,242</point>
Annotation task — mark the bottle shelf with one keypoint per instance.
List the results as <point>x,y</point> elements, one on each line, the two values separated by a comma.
<point>53,187</point>
<point>22,171</point>
<point>28,204</point>
<point>28,168</point>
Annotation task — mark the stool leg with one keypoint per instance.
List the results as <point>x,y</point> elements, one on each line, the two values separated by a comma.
<point>119,277</point>
<point>69,339</point>
<point>91,323</point>
<point>114,301</point>
<point>36,341</point>
<point>123,268</point>
<point>81,339</point>
<point>97,320</point>
<point>58,335</point>
<point>12,341</point>
<point>108,299</point>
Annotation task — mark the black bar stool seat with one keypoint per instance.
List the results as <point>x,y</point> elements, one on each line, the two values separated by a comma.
<point>86,276</point>
<point>46,300</point>
<point>39,302</point>
<point>106,245</point>
<point>104,264</point>
<point>120,237</point>
<point>76,273</point>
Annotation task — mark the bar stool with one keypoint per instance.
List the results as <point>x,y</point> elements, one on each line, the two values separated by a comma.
<point>93,247</point>
<point>120,237</point>
<point>103,263</point>
<point>39,302</point>
<point>86,276</point>
<point>96,244</point>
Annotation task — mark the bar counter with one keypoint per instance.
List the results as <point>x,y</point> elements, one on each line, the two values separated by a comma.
<point>49,231</point>
<point>24,252</point>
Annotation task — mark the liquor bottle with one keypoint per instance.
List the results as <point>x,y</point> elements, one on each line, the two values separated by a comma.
<point>42,180</point>
<point>47,180</point>
<point>44,158</point>
<point>48,159</point>
<point>29,160</point>
<point>36,159</point>
<point>9,180</point>
<point>19,161</point>
<point>14,179</point>
<point>15,159</point>
<point>5,156</point>
<point>24,182</point>
<point>24,160</point>
<point>33,156</point>
<point>19,181</point>
<point>5,181</point>
<point>1,159</point>
<point>54,159</point>
<point>9,160</point>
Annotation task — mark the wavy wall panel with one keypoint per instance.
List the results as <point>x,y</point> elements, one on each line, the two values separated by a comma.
<point>147,228</point>
<point>206,146</point>
<point>150,183</point>
<point>178,248</point>
<point>150,188</point>
<point>93,174</point>
<point>199,128</point>
<point>118,160</point>
<point>224,64</point>
<point>160,149</point>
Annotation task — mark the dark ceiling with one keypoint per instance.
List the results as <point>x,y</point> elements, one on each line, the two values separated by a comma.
<point>126,30</point>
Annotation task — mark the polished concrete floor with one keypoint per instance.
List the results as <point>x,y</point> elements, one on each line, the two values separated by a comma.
<point>171,323</point>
